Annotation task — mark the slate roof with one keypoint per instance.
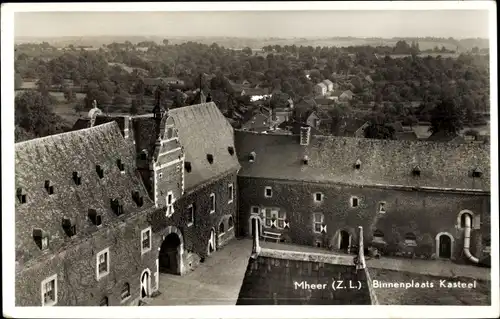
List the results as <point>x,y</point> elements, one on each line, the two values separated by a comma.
<point>55,158</point>
<point>203,130</point>
<point>257,123</point>
<point>384,162</point>
<point>270,280</point>
<point>407,136</point>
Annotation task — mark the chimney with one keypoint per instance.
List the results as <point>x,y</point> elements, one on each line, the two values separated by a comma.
<point>256,246</point>
<point>126,127</point>
<point>305,135</point>
<point>361,253</point>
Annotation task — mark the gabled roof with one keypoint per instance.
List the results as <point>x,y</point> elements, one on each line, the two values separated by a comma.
<point>55,158</point>
<point>384,162</point>
<point>443,136</point>
<point>321,84</point>
<point>327,82</point>
<point>203,130</point>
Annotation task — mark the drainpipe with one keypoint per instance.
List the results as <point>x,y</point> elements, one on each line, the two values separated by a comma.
<point>256,245</point>
<point>467,240</point>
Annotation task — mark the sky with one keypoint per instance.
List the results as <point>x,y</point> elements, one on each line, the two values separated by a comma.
<point>386,24</point>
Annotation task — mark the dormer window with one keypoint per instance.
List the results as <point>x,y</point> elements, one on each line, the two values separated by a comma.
<point>187,166</point>
<point>41,238</point>
<point>100,171</point>
<point>77,178</point>
<point>120,165</point>
<point>143,155</point>
<point>357,165</point>
<point>251,157</point>
<point>381,207</point>
<point>230,149</point>
<point>95,217</point>
<point>21,196</point>
<point>138,199</point>
<point>49,188</point>
<point>305,160</point>
<point>268,192</point>
<point>210,158</point>
<point>69,226</point>
<point>416,171</point>
<point>477,173</point>
<point>117,206</point>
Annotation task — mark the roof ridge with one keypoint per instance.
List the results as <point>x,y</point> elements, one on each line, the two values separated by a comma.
<point>65,134</point>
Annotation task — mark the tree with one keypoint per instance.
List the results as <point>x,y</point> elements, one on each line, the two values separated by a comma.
<point>247,51</point>
<point>69,94</point>
<point>18,81</point>
<point>165,42</point>
<point>379,131</point>
<point>79,107</point>
<point>446,117</point>
<point>136,107</point>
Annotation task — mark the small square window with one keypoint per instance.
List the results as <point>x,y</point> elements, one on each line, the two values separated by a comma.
<point>268,192</point>
<point>318,197</point>
<point>146,240</point>
<point>255,210</point>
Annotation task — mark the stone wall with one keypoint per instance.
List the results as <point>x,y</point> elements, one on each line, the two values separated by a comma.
<point>77,283</point>
<point>423,213</point>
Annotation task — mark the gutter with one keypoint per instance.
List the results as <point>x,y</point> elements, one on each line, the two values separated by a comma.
<point>467,232</point>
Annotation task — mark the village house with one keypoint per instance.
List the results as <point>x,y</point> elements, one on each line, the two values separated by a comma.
<point>320,89</point>
<point>328,84</point>
<point>319,119</point>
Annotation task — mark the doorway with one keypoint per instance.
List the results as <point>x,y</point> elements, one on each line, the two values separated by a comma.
<point>444,246</point>
<point>169,257</point>
<point>212,242</point>
<point>145,284</point>
<point>344,241</point>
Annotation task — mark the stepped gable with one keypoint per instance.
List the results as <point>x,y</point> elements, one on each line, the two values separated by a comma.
<point>382,162</point>
<point>204,130</point>
<point>55,159</point>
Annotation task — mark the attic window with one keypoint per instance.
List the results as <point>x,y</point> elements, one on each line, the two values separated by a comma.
<point>117,206</point>
<point>477,173</point>
<point>49,188</point>
<point>357,165</point>
<point>354,202</point>
<point>120,165</point>
<point>100,171</point>
<point>41,238</point>
<point>305,160</point>
<point>251,157</point>
<point>381,207</point>
<point>69,227</point>
<point>416,171</point>
<point>95,217</point>
<point>20,196</point>
<point>143,155</point>
<point>210,158</point>
<point>187,166</point>
<point>138,199</point>
<point>230,149</point>
<point>77,178</point>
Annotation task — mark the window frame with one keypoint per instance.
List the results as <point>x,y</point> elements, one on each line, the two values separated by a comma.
<point>381,207</point>
<point>143,232</point>
<point>100,275</point>
<point>316,198</point>
<point>231,193</point>
<point>320,223</point>
<point>265,191</point>
<point>274,212</point>
<point>190,213</point>
<point>127,297</point>
<point>212,203</point>
<point>43,291</point>
<point>253,209</point>
<point>352,201</point>
<point>170,207</point>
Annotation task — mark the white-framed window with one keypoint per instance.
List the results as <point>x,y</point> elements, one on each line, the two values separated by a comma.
<point>102,263</point>
<point>318,197</point>
<point>170,203</point>
<point>410,240</point>
<point>381,207</point>
<point>49,291</point>
<point>354,201</point>
<point>268,192</point>
<point>318,221</point>
<point>145,240</point>
<point>190,215</point>
<point>231,193</point>
<point>212,203</point>
<point>255,210</point>
<point>274,218</point>
<point>125,294</point>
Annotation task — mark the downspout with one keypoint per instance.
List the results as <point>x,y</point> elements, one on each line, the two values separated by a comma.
<point>467,240</point>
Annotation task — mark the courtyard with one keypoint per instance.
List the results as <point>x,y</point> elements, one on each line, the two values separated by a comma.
<point>217,281</point>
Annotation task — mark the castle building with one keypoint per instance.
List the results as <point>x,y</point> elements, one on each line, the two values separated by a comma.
<point>102,210</point>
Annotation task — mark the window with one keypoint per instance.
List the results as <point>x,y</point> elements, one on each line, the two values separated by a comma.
<point>221,228</point>
<point>357,165</point>
<point>104,302</point>
<point>381,207</point>
<point>41,238</point>
<point>49,188</point>
<point>190,215</point>
<point>275,218</point>
<point>305,160</point>
<point>354,202</point>
<point>117,206</point>
<point>170,203</point>
<point>138,199</point>
<point>212,203</point>
<point>318,197</point>
<point>187,166</point>
<point>69,226</point>
<point>210,158</point>
<point>378,237</point>
<point>49,291</point>
<point>77,178</point>
<point>477,173</point>
<point>410,239</point>
<point>230,223</point>
<point>144,155</point>
<point>146,240</point>
<point>318,220</point>
<point>230,149</point>
<point>99,171</point>
<point>416,171</point>
<point>94,217</point>
<point>231,193</point>
<point>103,263</point>
<point>255,210</point>
<point>120,165</point>
<point>125,291</point>
<point>21,196</point>
<point>268,192</point>
<point>251,157</point>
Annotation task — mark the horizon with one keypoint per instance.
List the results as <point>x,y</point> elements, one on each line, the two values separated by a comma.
<point>385,24</point>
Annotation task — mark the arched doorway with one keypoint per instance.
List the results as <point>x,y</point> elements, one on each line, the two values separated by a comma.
<point>212,242</point>
<point>170,254</point>
<point>444,245</point>
<point>344,241</point>
<point>145,284</point>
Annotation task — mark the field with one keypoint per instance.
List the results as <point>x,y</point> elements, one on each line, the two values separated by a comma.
<point>481,295</point>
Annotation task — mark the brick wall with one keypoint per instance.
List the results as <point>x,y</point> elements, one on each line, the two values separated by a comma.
<point>426,214</point>
<point>76,268</point>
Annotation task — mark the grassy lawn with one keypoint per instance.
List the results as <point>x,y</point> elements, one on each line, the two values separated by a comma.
<point>479,296</point>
